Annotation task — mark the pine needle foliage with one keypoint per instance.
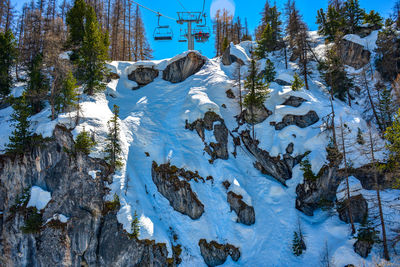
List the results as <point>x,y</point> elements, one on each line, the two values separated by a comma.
<point>84,143</point>
<point>306,167</point>
<point>297,83</point>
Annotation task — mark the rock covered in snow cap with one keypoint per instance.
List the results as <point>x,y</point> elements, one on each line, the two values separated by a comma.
<point>179,70</point>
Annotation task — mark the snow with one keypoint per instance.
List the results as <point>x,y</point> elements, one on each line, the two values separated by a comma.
<point>58,217</point>
<point>66,55</point>
<point>368,42</point>
<point>153,121</point>
<point>93,174</point>
<point>39,198</point>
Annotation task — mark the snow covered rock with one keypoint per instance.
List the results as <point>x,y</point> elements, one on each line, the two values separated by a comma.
<point>359,209</point>
<point>245,213</point>
<point>143,75</point>
<point>39,198</point>
<point>228,58</point>
<point>212,122</point>
<point>256,114</point>
<point>181,69</point>
<point>280,169</point>
<point>215,254</point>
<point>354,54</point>
<point>294,101</point>
<point>367,178</point>
<point>179,193</point>
<point>301,121</point>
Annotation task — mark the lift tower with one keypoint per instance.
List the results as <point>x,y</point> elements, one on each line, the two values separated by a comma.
<point>189,18</point>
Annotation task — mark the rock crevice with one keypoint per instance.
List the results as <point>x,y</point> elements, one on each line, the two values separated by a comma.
<point>215,254</point>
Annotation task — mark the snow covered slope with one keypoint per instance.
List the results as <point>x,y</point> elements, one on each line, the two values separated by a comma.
<point>153,122</point>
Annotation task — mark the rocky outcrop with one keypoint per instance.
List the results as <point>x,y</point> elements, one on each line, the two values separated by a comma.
<point>363,247</point>
<point>294,101</point>
<point>311,195</point>
<point>212,122</point>
<point>245,213</point>
<point>215,254</point>
<point>301,121</point>
<point>256,114</point>
<point>359,209</point>
<point>91,236</point>
<point>282,82</point>
<point>367,178</point>
<point>143,76</point>
<point>180,70</point>
<point>277,167</point>
<point>178,192</point>
<point>353,54</point>
<point>228,58</point>
<point>230,94</point>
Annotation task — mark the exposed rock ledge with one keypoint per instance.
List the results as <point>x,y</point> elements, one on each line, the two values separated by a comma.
<point>91,236</point>
<point>354,54</point>
<point>301,121</point>
<point>143,75</point>
<point>180,70</point>
<point>217,150</point>
<point>178,192</point>
<point>294,101</point>
<point>245,213</point>
<point>215,254</point>
<point>280,169</point>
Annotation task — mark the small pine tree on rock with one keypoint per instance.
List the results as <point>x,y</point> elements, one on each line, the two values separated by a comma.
<point>20,140</point>
<point>135,226</point>
<point>360,138</point>
<point>269,71</point>
<point>84,143</point>
<point>306,167</point>
<point>113,147</point>
<point>297,83</point>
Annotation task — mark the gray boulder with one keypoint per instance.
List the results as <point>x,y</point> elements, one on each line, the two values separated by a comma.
<point>294,101</point>
<point>301,121</point>
<point>180,70</point>
<point>143,76</point>
<point>215,254</point>
<point>245,213</point>
<point>359,209</point>
<point>178,192</point>
<point>282,82</point>
<point>256,114</point>
<point>353,54</point>
<point>228,58</point>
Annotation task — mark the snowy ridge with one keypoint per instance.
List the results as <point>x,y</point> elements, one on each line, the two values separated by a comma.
<point>153,121</point>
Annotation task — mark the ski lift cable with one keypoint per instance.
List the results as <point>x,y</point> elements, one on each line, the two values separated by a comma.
<point>158,13</point>
<point>204,2</point>
<point>182,5</point>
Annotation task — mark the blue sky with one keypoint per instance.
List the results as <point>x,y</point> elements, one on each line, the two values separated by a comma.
<point>249,9</point>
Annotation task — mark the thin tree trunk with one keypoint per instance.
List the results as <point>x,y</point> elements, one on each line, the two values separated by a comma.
<point>353,229</point>
<point>378,195</point>
<point>372,102</point>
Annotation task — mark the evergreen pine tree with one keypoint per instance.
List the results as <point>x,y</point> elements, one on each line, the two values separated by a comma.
<point>135,227</point>
<point>392,135</point>
<point>330,23</point>
<point>385,105</point>
<point>298,244</point>
<point>93,54</point>
<point>20,140</point>
<point>373,18</point>
<point>266,43</point>
<point>258,91</point>
<point>84,143</point>
<point>306,167</point>
<point>113,147</point>
<point>8,54</point>
<point>269,71</point>
<point>297,83</point>
<point>76,23</point>
<point>38,84</point>
<point>225,44</point>
<point>353,15</point>
<point>68,98</point>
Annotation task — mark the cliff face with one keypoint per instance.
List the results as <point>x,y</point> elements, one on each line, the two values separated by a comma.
<point>90,237</point>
